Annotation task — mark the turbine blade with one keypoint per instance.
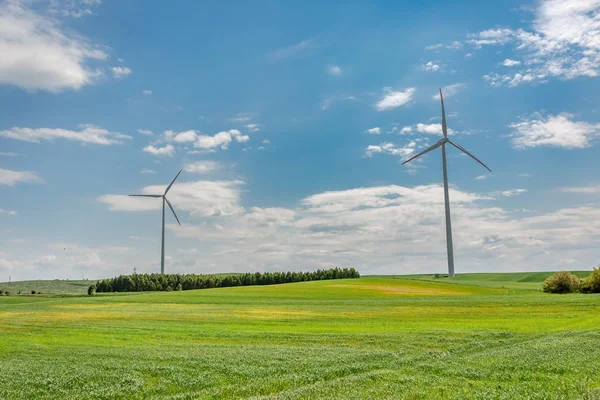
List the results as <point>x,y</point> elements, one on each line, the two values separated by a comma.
<point>146,195</point>
<point>444,126</point>
<point>467,153</point>
<point>172,182</point>
<point>171,207</point>
<point>435,146</point>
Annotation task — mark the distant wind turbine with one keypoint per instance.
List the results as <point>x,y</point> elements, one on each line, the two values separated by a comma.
<point>164,199</point>
<point>442,143</point>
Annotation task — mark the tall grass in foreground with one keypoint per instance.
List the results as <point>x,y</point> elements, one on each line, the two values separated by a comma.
<point>170,282</point>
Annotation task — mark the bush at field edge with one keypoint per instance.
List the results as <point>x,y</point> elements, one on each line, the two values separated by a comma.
<point>561,282</point>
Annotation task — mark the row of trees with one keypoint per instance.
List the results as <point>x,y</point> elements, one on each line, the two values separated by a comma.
<point>566,282</point>
<point>168,282</point>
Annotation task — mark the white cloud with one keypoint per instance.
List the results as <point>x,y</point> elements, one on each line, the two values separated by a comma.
<point>429,129</point>
<point>391,148</point>
<point>181,137</point>
<point>253,127</point>
<point>555,131</point>
<point>510,63</point>
<point>11,178</point>
<point>285,52</point>
<point>449,91</point>
<point>144,132</point>
<point>200,198</point>
<point>167,150</point>
<point>147,92</point>
<point>242,138</point>
<point>564,42</point>
<point>8,212</point>
<point>201,167</point>
<point>221,139</point>
<point>243,117</point>
<point>592,189</point>
<point>393,99</point>
<point>481,177</point>
<point>38,54</point>
<point>514,192</point>
<point>88,134</point>
<point>147,171</point>
<point>374,131</point>
<point>266,141</point>
<point>334,70</point>
<point>492,37</point>
<point>525,175</point>
<point>453,46</point>
<point>430,66</point>
<point>8,154</point>
<point>120,72</point>
<point>378,230</point>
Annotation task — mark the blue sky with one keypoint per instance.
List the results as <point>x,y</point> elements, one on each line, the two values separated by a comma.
<point>291,120</point>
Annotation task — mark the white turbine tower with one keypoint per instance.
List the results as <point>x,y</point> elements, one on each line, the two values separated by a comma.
<point>164,199</point>
<point>442,143</point>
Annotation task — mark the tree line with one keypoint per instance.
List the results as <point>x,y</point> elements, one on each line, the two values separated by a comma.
<point>169,282</point>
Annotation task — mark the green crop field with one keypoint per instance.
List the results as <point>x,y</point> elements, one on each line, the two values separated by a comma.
<point>371,338</point>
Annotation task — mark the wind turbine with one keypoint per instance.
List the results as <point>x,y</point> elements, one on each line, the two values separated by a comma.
<point>442,143</point>
<point>164,199</point>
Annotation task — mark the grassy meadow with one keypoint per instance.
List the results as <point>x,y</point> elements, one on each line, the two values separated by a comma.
<point>411,337</point>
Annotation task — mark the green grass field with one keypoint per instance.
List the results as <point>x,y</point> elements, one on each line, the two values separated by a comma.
<point>368,338</point>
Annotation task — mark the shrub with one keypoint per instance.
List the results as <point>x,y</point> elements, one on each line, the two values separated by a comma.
<point>178,288</point>
<point>33,292</point>
<point>561,282</point>
<point>91,290</point>
<point>7,293</point>
<point>1,292</point>
<point>591,284</point>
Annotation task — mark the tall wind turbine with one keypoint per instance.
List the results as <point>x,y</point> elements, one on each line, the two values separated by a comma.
<point>442,143</point>
<point>164,200</point>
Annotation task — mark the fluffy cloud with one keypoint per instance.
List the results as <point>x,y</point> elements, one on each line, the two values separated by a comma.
<point>120,72</point>
<point>201,167</point>
<point>167,150</point>
<point>200,198</point>
<point>88,134</point>
<point>181,137</point>
<point>334,70</point>
<point>564,42</point>
<point>379,230</point>
<point>513,192</point>
<point>11,178</point>
<point>429,129</point>
<point>374,131</point>
<point>252,127</point>
<point>556,131</point>
<point>510,63</point>
<point>430,66</point>
<point>144,132</point>
<point>147,92</point>
<point>221,139</point>
<point>393,99</point>
<point>391,148</point>
<point>38,54</point>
